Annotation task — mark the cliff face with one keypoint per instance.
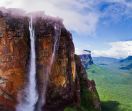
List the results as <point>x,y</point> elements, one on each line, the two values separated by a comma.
<point>88,94</point>
<point>61,78</point>
<point>13,59</point>
<point>61,74</point>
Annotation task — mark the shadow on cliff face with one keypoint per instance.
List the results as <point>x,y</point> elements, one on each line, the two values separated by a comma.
<point>111,106</point>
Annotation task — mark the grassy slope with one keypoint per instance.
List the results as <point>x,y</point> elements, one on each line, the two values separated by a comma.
<point>114,88</point>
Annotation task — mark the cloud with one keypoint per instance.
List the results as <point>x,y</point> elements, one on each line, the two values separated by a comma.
<point>81,51</point>
<point>119,49</point>
<point>78,51</point>
<point>81,16</point>
<point>118,8</point>
<point>73,12</point>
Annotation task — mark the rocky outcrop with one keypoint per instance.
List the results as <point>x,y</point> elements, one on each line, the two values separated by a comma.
<point>60,83</point>
<point>86,59</point>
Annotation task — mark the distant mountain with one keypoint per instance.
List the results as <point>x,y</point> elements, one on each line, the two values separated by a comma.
<point>128,59</point>
<point>123,64</point>
<point>104,60</point>
<point>86,59</point>
<point>126,64</point>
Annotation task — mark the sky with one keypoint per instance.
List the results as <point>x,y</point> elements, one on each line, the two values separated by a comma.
<point>102,26</point>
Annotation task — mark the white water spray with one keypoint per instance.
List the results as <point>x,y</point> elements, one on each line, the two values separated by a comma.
<point>30,93</point>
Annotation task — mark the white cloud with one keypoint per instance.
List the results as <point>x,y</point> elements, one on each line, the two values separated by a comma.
<point>81,16</point>
<point>118,50</point>
<point>78,51</point>
<point>69,10</point>
<point>81,51</point>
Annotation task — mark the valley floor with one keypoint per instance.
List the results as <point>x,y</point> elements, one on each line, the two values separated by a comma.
<point>114,87</point>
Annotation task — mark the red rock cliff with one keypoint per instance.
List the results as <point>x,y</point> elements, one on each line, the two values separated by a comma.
<point>13,58</point>
<point>62,83</point>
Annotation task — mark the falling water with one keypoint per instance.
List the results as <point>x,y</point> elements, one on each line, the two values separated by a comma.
<point>56,42</point>
<point>42,96</point>
<point>30,99</point>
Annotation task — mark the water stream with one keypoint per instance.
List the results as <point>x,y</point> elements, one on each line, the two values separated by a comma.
<point>29,96</point>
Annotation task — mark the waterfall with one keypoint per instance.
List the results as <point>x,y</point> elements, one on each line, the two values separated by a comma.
<point>56,42</point>
<point>29,95</point>
<point>42,95</point>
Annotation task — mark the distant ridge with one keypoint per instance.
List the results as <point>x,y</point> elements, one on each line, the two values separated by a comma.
<point>123,64</point>
<point>126,63</point>
<point>129,58</point>
<point>104,60</point>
